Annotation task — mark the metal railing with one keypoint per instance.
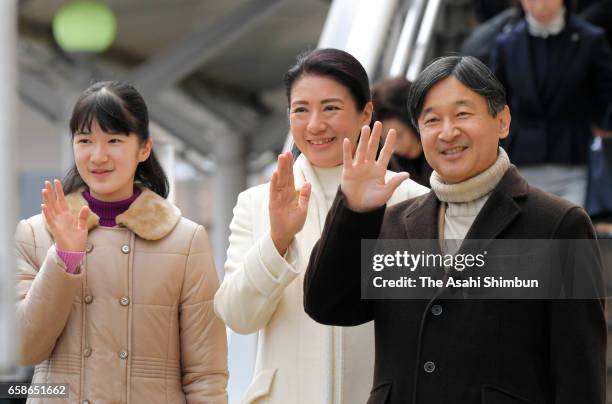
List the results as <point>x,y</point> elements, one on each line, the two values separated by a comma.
<point>364,28</point>
<point>423,39</point>
<point>405,45</point>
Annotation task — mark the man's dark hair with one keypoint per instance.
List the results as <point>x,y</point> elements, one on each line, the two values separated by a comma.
<point>470,71</point>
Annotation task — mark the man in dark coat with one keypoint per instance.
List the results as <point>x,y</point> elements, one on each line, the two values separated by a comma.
<point>557,70</point>
<point>481,41</point>
<point>448,350</point>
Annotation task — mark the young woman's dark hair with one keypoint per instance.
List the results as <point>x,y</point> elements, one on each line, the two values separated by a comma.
<point>335,64</point>
<point>470,71</point>
<point>117,108</point>
<point>390,98</point>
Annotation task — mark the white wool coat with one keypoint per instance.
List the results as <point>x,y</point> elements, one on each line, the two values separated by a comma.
<point>298,360</point>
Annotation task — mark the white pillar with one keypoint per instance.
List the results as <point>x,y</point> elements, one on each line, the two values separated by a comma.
<point>65,138</point>
<point>406,42</point>
<point>423,39</point>
<point>229,180</point>
<point>8,127</point>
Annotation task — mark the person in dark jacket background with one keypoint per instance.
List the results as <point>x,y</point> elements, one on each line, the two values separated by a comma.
<point>600,14</point>
<point>599,191</point>
<point>461,351</point>
<point>389,97</point>
<point>481,41</point>
<point>557,70</point>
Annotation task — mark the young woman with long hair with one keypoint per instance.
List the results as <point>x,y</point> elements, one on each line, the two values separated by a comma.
<point>114,287</point>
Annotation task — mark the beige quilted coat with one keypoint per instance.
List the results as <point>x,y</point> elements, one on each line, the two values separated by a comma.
<point>137,325</point>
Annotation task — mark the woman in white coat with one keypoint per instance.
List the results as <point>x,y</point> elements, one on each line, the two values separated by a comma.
<point>274,228</point>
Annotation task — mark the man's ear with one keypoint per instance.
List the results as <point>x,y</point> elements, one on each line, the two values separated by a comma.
<point>504,122</point>
<point>145,150</point>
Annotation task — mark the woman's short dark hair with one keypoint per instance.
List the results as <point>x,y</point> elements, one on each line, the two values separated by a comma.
<point>116,107</point>
<point>336,64</point>
<point>390,97</point>
<point>470,71</point>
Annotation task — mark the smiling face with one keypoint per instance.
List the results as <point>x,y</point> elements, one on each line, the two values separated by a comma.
<point>459,136</point>
<point>321,114</point>
<point>107,162</point>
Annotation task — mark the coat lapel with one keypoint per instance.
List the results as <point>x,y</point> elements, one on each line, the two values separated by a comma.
<point>421,219</point>
<point>303,172</point>
<point>317,208</point>
<point>307,238</point>
<point>501,209</point>
<point>150,216</point>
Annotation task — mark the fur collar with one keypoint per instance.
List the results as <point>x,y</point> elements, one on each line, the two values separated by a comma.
<point>150,216</point>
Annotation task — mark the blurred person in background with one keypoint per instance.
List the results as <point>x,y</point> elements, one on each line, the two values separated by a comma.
<point>273,230</point>
<point>495,17</point>
<point>481,41</point>
<point>599,191</point>
<point>600,14</point>
<point>484,10</point>
<point>557,70</point>
<point>389,98</point>
<point>114,287</point>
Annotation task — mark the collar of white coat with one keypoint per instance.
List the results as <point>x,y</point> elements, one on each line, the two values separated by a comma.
<point>303,171</point>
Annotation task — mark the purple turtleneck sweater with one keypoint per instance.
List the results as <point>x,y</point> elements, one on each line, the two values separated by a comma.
<point>107,211</point>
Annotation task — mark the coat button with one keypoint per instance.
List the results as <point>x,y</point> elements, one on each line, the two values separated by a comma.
<point>125,249</point>
<point>429,367</point>
<point>88,299</point>
<point>87,352</point>
<point>124,301</point>
<point>89,248</point>
<point>123,354</point>
<point>436,309</point>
